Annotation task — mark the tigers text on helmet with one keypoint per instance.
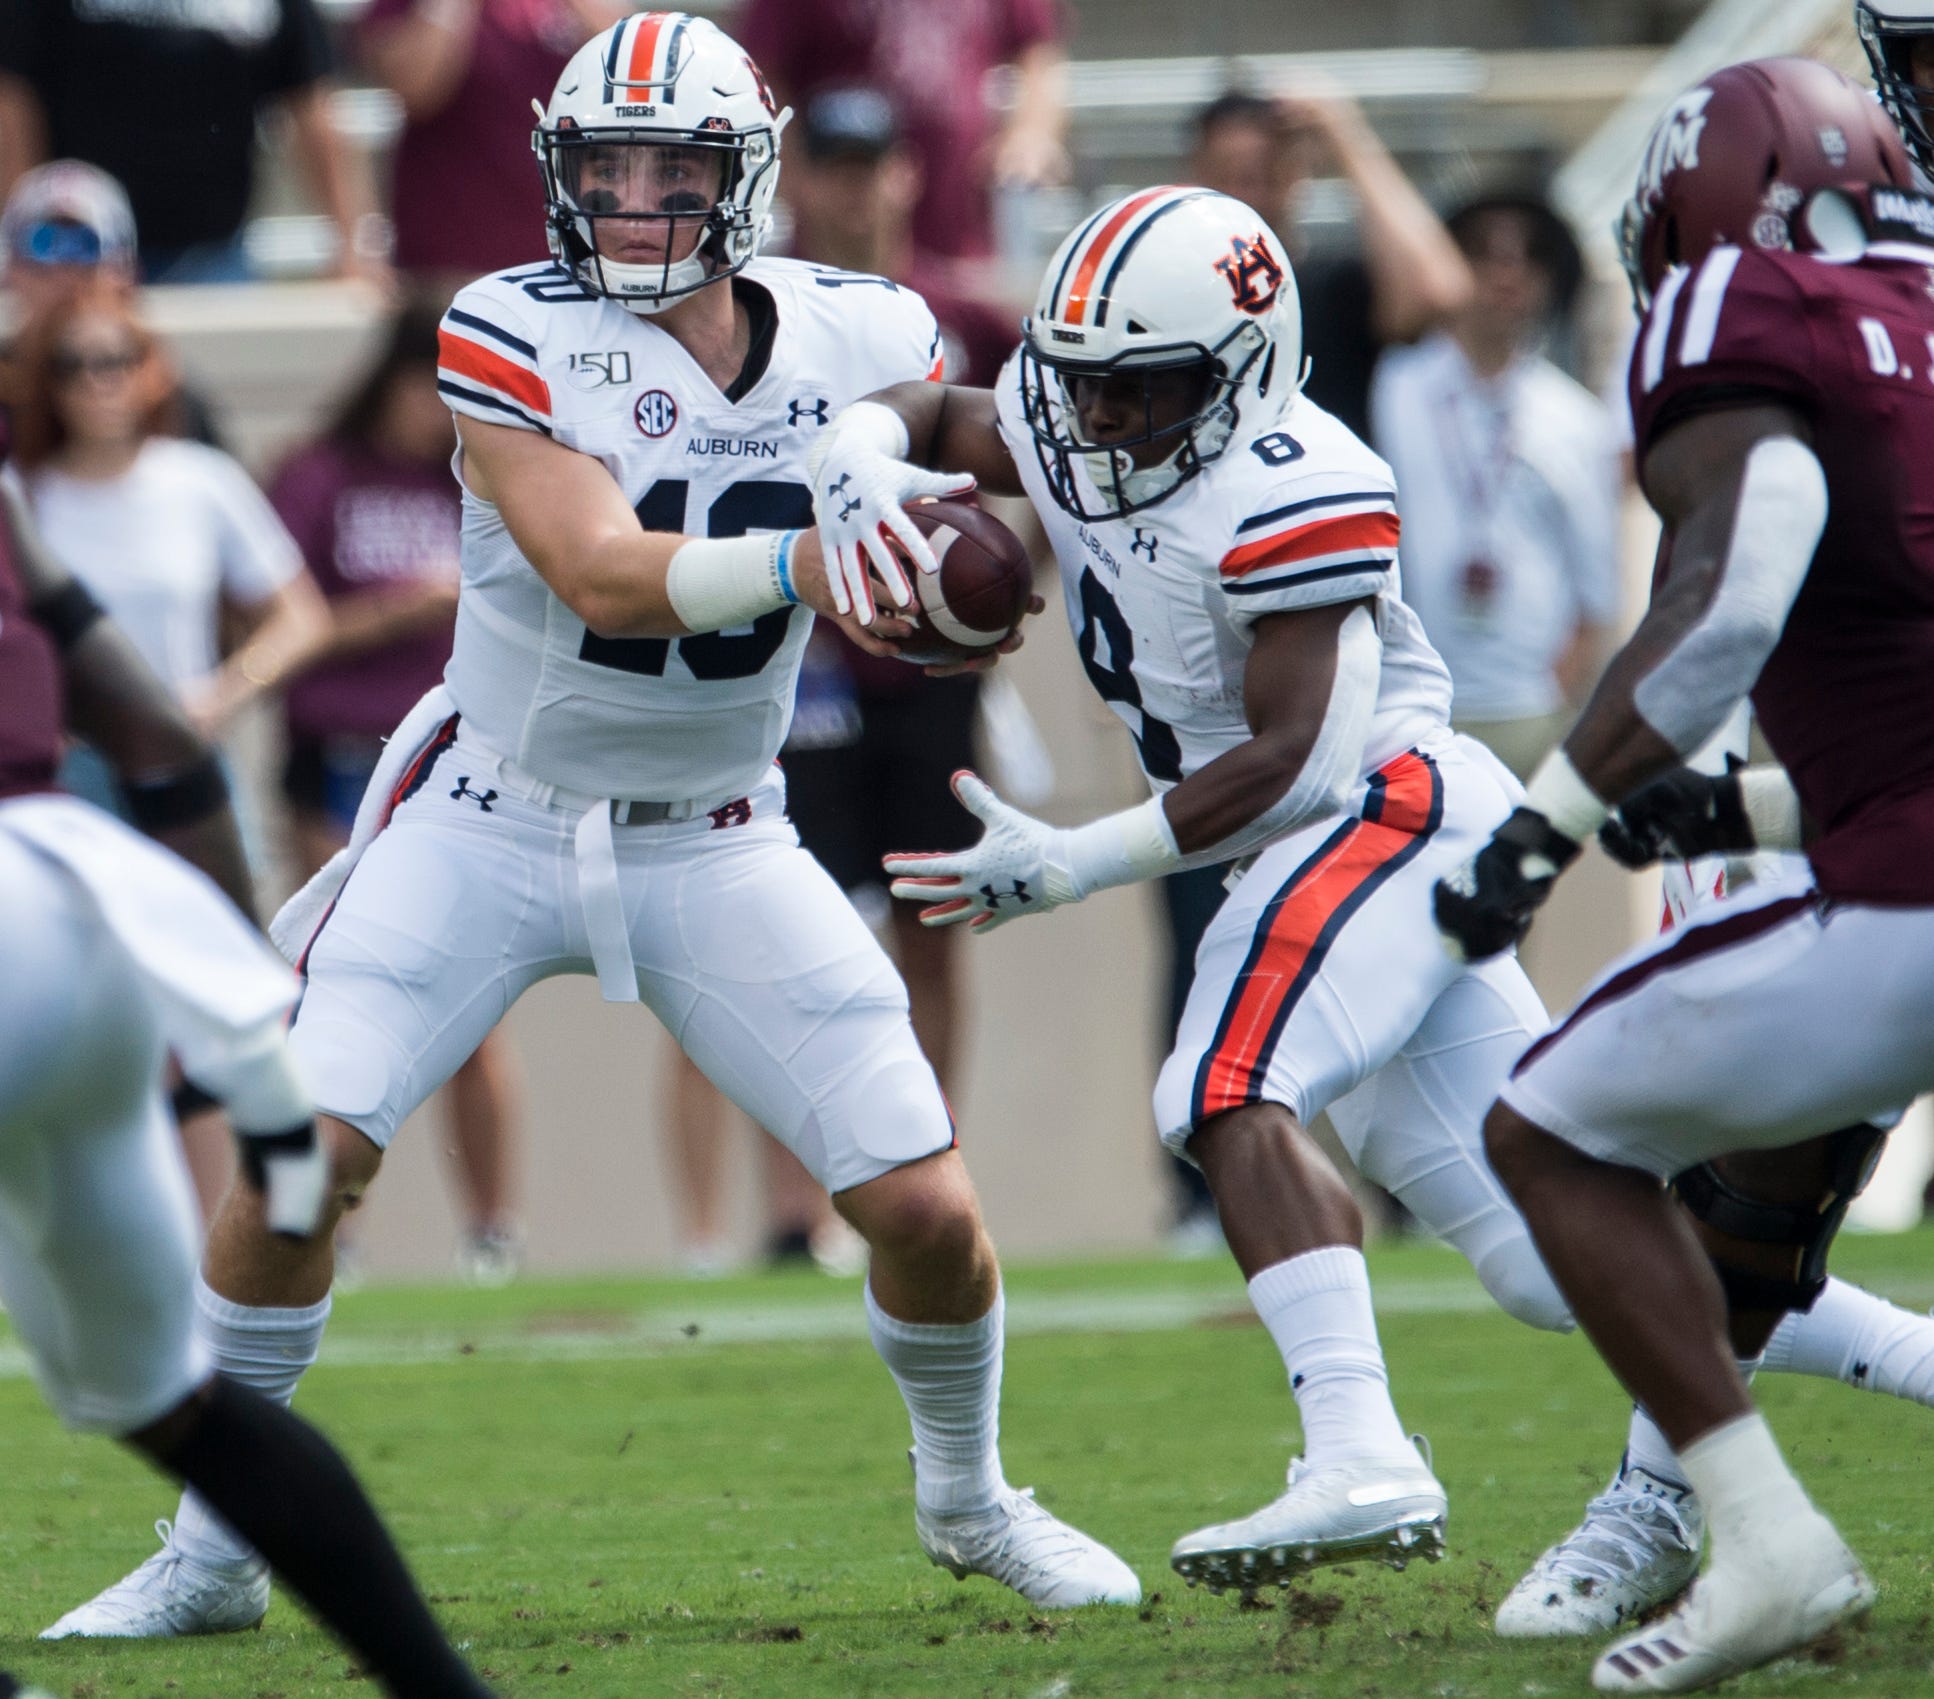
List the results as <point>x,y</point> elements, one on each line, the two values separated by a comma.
<point>660,156</point>
<point>1155,290</point>
<point>1888,30</point>
<point>1735,157</point>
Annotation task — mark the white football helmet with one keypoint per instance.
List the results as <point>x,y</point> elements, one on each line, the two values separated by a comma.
<point>1161,281</point>
<point>1888,29</point>
<point>660,155</point>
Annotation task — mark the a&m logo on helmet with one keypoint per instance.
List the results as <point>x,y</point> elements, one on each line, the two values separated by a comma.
<point>1252,273</point>
<point>1675,140</point>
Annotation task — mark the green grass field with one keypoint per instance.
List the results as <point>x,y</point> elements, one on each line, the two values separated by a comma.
<point>628,1488</point>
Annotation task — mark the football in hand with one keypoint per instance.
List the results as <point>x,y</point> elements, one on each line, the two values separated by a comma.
<point>979,596</point>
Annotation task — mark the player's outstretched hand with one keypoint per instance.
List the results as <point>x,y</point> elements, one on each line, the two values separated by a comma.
<point>1487,904</point>
<point>291,1171</point>
<point>1018,867</point>
<point>1683,813</point>
<point>860,495</point>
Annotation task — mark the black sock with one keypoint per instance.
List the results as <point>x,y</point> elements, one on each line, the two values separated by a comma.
<point>287,1491</point>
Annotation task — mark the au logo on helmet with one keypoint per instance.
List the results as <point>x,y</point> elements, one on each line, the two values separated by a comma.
<point>1252,273</point>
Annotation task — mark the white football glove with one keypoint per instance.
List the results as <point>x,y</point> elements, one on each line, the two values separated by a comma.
<point>1025,866</point>
<point>291,1171</point>
<point>861,485</point>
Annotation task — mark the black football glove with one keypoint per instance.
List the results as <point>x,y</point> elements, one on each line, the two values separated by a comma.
<point>1682,814</point>
<point>1486,905</point>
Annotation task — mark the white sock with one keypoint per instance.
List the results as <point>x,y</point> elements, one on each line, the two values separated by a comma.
<point>264,1348</point>
<point>1317,1309</point>
<point>1650,1450</point>
<point>1739,1475</point>
<point>1853,1336</point>
<point>950,1376</point>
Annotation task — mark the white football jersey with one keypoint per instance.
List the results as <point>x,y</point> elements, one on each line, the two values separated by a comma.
<point>1295,513</point>
<point>656,718</point>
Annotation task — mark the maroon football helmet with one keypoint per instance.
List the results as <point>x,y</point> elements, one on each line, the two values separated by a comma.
<point>1734,158</point>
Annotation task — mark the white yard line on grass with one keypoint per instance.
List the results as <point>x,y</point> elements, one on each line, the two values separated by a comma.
<point>685,1327</point>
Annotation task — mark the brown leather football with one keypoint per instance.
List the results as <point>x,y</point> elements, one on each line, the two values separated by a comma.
<point>980,594</point>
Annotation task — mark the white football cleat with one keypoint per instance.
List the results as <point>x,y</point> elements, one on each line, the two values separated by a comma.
<point>1020,1545</point>
<point>1392,1509</point>
<point>1787,1585</point>
<point>169,1595</point>
<point>1637,1547</point>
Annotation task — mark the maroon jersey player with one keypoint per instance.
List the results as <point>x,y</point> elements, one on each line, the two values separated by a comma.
<point>1785,411</point>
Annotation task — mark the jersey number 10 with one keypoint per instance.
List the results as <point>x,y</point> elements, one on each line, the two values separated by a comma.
<point>756,504</point>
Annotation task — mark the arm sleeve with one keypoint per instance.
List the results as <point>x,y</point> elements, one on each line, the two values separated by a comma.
<point>1329,537</point>
<point>258,556</point>
<point>487,362</point>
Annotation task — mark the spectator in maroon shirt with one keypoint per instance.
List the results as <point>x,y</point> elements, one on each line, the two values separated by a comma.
<point>932,58</point>
<point>376,512</point>
<point>466,197</point>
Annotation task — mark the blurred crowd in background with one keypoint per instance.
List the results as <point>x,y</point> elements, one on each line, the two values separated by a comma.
<point>128,157</point>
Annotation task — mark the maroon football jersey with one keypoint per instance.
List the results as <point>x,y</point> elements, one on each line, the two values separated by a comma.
<point>1847,697</point>
<point>30,690</point>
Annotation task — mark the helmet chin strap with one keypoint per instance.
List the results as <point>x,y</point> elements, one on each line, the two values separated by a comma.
<point>1115,468</point>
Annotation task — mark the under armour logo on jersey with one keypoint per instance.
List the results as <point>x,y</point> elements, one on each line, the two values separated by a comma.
<point>1144,543</point>
<point>797,411</point>
<point>483,799</point>
<point>1015,893</point>
<point>848,505</point>
<point>1251,272</point>
<point>738,812</point>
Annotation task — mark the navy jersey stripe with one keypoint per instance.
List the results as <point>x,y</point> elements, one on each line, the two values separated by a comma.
<point>483,400</point>
<point>1310,506</point>
<point>1341,569</point>
<point>459,316</point>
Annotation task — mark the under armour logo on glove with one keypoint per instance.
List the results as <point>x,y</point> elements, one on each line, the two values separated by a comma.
<point>483,799</point>
<point>1018,867</point>
<point>864,531</point>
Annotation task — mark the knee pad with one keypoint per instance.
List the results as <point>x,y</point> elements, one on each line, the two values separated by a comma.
<point>1806,1229</point>
<point>1515,1275</point>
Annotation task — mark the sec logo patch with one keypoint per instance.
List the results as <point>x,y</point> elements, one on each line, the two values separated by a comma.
<point>655,412</point>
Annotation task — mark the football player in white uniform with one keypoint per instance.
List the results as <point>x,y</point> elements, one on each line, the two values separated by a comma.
<point>1228,553</point>
<point>594,789</point>
<point>117,954</point>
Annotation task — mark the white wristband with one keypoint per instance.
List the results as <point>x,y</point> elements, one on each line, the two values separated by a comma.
<point>715,583</point>
<point>1560,794</point>
<point>866,424</point>
<point>1772,807</point>
<point>1120,849</point>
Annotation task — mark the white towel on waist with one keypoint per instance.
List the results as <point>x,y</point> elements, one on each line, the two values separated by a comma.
<point>295,923</point>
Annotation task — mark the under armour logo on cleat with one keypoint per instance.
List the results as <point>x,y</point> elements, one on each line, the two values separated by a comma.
<point>1016,893</point>
<point>483,799</point>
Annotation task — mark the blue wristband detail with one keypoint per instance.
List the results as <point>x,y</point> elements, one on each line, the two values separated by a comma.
<point>782,566</point>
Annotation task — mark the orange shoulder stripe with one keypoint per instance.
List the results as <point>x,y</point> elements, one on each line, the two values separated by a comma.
<point>472,360</point>
<point>1307,542</point>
